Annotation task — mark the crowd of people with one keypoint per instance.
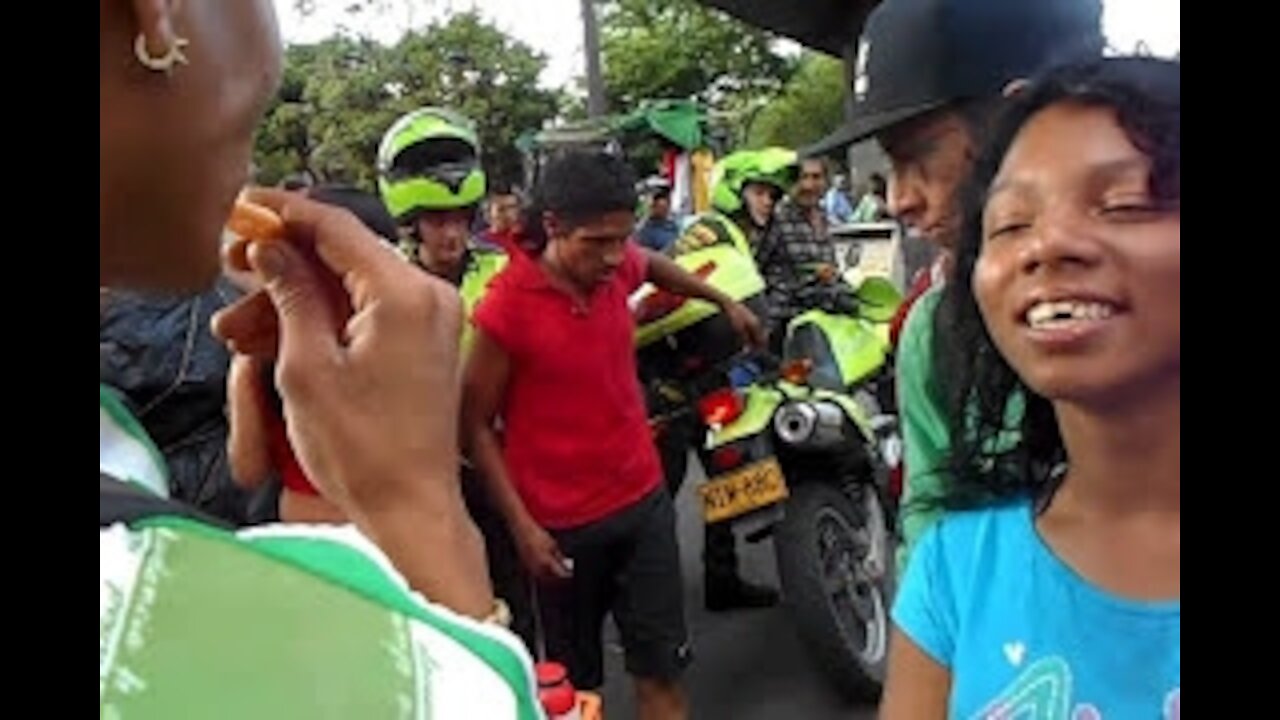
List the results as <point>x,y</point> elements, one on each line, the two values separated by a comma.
<point>435,463</point>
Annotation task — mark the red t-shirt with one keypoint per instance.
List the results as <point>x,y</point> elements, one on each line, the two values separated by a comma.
<point>505,240</point>
<point>280,451</point>
<point>514,242</point>
<point>286,464</point>
<point>576,436</point>
<point>923,281</point>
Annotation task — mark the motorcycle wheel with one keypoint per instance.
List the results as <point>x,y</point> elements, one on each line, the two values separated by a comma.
<point>837,583</point>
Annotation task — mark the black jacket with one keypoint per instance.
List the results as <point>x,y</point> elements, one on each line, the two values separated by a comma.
<point>160,354</point>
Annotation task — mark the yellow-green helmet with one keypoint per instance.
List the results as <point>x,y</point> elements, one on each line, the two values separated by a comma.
<point>429,160</point>
<point>772,166</point>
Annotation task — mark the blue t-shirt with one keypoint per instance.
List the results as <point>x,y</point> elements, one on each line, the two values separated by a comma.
<point>657,233</point>
<point>837,207</point>
<point>1025,637</point>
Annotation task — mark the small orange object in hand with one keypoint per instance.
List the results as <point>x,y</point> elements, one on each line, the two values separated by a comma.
<point>250,223</point>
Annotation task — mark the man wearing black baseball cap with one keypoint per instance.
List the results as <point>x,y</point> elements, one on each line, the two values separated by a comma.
<point>929,76</point>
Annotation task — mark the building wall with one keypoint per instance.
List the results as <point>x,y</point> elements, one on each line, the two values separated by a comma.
<point>863,159</point>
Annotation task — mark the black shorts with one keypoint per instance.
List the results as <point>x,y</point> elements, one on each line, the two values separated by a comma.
<point>500,552</point>
<point>627,564</point>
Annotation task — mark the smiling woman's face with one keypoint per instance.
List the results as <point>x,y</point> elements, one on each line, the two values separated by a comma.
<point>1079,276</point>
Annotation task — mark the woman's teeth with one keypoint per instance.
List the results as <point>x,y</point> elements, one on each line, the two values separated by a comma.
<point>1048,314</point>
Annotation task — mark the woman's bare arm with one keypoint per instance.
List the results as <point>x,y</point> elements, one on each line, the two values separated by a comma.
<point>917,687</point>
<point>247,452</point>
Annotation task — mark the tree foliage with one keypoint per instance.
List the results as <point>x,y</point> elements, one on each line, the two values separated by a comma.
<point>809,107</point>
<point>339,96</point>
<point>682,49</point>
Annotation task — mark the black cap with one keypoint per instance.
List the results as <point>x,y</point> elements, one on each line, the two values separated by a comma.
<point>365,206</point>
<point>918,55</point>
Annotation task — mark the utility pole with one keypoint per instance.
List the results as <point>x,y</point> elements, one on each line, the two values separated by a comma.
<point>591,47</point>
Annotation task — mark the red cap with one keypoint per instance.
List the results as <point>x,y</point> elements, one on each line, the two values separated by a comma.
<point>550,673</point>
<point>554,691</point>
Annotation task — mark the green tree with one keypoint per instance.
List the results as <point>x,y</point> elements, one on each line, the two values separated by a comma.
<point>809,107</point>
<point>488,76</point>
<point>283,143</point>
<point>682,49</point>
<point>339,96</point>
<point>354,102</point>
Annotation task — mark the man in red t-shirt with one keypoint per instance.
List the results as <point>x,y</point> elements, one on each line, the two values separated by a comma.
<point>502,210</point>
<point>575,473</point>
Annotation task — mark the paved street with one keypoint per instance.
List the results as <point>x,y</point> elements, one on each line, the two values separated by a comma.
<point>748,665</point>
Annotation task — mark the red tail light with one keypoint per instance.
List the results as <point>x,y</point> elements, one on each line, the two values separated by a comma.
<point>661,303</point>
<point>720,407</point>
<point>895,483</point>
<point>726,458</point>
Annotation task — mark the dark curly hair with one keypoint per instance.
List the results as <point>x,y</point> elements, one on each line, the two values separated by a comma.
<point>987,464</point>
<point>576,185</point>
<point>580,185</point>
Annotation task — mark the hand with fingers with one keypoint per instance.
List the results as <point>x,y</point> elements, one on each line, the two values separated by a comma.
<point>248,450</point>
<point>366,353</point>
<point>747,325</point>
<point>540,553</point>
<point>258,446</point>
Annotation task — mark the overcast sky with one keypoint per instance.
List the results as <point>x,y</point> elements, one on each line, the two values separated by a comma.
<point>553,26</point>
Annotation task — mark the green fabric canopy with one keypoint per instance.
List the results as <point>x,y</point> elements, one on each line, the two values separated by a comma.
<point>679,122</point>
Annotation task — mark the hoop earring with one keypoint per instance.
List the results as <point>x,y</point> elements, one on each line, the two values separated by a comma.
<point>164,63</point>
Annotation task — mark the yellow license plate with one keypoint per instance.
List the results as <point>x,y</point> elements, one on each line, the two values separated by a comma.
<point>743,490</point>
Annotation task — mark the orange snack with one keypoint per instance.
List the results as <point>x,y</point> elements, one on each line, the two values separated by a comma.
<point>254,222</point>
<point>249,223</point>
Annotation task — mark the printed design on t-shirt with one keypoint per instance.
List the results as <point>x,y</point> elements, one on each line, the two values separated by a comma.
<point>1014,652</point>
<point>1173,705</point>
<point>121,560</point>
<point>1043,692</point>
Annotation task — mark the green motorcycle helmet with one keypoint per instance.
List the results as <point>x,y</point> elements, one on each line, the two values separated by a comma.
<point>771,166</point>
<point>429,160</point>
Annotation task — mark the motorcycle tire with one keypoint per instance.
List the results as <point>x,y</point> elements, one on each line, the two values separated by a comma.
<point>848,636</point>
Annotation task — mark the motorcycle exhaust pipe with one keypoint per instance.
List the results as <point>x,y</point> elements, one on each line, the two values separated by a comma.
<point>810,424</point>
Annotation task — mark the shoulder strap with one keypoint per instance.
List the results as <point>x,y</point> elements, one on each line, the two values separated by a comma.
<point>122,502</point>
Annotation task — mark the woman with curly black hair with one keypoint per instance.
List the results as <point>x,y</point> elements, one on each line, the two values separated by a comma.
<point>1051,589</point>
